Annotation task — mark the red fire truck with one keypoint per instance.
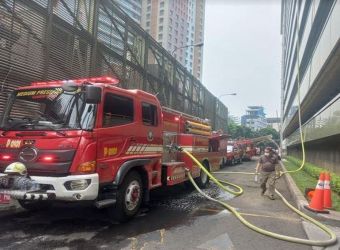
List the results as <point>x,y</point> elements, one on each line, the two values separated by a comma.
<point>89,140</point>
<point>248,148</point>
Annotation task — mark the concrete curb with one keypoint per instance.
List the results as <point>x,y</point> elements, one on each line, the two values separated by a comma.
<point>298,197</point>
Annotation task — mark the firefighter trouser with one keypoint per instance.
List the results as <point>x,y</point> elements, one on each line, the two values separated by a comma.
<point>268,178</point>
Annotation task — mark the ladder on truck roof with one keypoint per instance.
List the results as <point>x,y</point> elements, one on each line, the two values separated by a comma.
<point>176,112</point>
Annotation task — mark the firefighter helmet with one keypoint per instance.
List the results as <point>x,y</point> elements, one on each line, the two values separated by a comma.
<point>16,168</point>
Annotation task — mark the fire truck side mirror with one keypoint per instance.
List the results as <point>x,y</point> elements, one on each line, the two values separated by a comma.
<point>93,94</point>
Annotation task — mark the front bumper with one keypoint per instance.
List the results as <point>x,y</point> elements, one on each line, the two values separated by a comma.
<point>58,190</point>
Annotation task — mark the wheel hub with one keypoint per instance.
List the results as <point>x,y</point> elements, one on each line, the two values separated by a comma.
<point>132,195</point>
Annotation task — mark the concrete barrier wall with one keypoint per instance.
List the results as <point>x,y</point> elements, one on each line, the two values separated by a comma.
<point>324,153</point>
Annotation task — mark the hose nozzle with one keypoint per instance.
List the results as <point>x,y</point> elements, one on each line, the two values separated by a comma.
<point>174,147</point>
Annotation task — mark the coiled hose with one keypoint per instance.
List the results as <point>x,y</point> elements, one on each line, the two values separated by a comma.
<point>239,191</point>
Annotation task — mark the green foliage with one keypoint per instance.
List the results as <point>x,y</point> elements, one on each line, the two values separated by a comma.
<point>314,171</point>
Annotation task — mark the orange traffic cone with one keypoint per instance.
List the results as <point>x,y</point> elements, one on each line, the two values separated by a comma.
<point>316,205</point>
<point>327,193</point>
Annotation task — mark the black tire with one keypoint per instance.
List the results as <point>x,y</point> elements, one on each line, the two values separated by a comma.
<point>132,188</point>
<point>35,205</point>
<point>203,180</point>
<point>224,163</point>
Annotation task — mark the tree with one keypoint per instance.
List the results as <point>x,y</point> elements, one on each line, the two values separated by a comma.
<point>269,131</point>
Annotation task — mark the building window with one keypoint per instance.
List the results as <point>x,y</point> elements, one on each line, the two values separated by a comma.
<point>160,28</point>
<point>148,24</point>
<point>161,20</point>
<point>148,16</point>
<point>160,36</point>
<point>161,12</point>
<point>149,8</point>
<point>161,4</point>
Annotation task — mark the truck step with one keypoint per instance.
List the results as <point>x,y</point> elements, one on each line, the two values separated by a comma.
<point>105,203</point>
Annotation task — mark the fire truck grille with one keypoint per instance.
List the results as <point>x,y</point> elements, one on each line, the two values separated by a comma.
<point>59,164</point>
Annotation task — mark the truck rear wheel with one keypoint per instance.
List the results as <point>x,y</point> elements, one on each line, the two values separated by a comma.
<point>203,180</point>
<point>129,198</point>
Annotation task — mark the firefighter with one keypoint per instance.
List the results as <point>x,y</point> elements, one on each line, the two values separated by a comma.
<point>18,178</point>
<point>267,166</point>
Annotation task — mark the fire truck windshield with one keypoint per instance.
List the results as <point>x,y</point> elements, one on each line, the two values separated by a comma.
<point>48,109</point>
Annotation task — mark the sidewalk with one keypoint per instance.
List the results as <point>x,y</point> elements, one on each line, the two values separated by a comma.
<point>331,220</point>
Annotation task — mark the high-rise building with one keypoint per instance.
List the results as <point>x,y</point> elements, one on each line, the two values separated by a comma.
<point>176,25</point>
<point>311,63</point>
<point>255,118</point>
<point>132,7</point>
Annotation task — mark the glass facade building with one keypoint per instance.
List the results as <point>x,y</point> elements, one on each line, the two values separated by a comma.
<point>311,76</point>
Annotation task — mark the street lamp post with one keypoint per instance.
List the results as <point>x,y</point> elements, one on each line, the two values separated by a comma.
<point>186,46</point>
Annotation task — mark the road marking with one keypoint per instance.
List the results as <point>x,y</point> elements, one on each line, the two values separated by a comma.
<point>269,216</point>
<point>134,243</point>
<point>254,215</point>
<point>162,232</point>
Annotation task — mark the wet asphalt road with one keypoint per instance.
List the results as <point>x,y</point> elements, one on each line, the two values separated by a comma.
<point>178,218</point>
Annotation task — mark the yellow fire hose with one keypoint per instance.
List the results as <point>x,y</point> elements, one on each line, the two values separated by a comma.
<point>239,191</point>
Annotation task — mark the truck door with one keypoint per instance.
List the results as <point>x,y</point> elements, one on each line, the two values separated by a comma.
<point>115,133</point>
<point>151,137</point>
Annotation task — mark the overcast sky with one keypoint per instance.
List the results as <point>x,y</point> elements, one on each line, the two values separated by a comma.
<point>242,53</point>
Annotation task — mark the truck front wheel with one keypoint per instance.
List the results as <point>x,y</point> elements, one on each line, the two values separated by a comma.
<point>129,198</point>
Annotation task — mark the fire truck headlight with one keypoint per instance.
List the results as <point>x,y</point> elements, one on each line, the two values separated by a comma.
<point>77,184</point>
